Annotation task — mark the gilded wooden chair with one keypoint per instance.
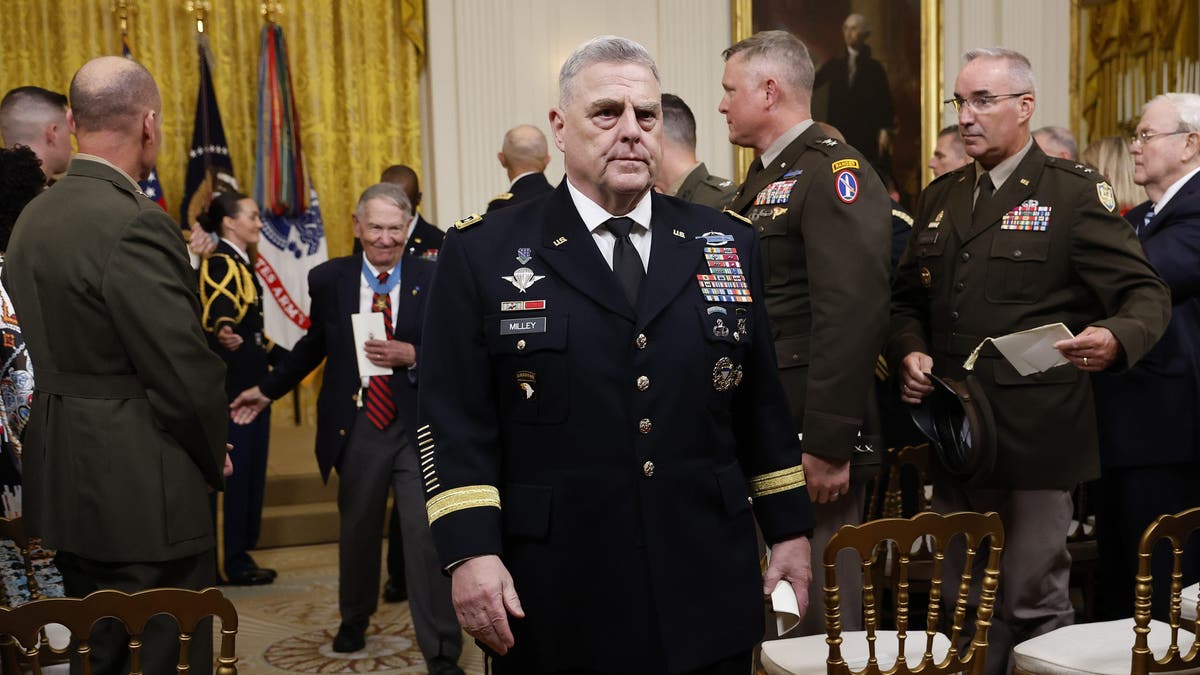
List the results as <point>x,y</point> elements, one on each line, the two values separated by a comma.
<point>1135,646</point>
<point>24,624</point>
<point>888,502</point>
<point>895,652</point>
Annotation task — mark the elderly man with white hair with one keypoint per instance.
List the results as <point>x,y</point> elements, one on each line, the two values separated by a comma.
<point>1149,429</point>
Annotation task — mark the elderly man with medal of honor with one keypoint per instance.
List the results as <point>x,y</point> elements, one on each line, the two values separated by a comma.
<point>1013,241</point>
<point>602,419</point>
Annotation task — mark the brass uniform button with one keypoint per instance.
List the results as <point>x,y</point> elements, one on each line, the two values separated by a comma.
<point>341,432</point>
<point>648,469</point>
<point>643,383</point>
<point>520,344</point>
<point>640,342</point>
<point>644,425</point>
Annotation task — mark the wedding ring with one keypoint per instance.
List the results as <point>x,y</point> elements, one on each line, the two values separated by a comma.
<point>1085,362</point>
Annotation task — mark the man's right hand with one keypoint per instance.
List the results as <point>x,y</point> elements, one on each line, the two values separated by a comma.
<point>484,596</point>
<point>914,385</point>
<point>247,405</point>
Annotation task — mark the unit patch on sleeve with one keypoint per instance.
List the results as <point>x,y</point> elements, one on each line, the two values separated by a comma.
<point>847,186</point>
<point>1108,198</point>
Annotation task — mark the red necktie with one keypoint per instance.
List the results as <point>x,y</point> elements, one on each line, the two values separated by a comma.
<point>381,407</point>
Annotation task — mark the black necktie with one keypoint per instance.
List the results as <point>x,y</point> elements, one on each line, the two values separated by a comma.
<point>627,264</point>
<point>986,190</point>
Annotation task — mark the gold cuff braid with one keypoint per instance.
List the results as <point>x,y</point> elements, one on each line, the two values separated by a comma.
<point>457,499</point>
<point>777,481</point>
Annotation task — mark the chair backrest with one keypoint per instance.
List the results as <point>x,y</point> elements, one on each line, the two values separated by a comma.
<point>14,530</point>
<point>889,502</point>
<point>24,623</point>
<point>900,536</point>
<point>1175,528</point>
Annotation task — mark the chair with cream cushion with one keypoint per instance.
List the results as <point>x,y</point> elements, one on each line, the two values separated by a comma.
<point>925,650</point>
<point>1134,646</point>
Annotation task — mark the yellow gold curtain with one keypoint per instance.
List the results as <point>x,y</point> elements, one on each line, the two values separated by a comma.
<point>355,68</point>
<point>1133,51</point>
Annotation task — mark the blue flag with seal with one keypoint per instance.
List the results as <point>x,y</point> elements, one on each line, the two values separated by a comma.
<point>209,167</point>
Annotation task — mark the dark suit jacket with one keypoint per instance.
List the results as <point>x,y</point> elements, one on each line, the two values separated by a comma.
<point>623,444</point>
<point>958,283</point>
<point>333,287</point>
<point>129,416</point>
<point>858,110</point>
<point>1149,413</point>
<point>425,240</point>
<point>527,187</point>
<point>827,285</point>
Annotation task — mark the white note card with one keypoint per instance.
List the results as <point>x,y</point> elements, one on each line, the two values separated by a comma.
<point>1032,351</point>
<point>368,326</point>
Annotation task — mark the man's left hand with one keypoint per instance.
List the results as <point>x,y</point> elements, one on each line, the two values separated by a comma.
<point>1094,350</point>
<point>391,353</point>
<point>791,561</point>
<point>827,479</point>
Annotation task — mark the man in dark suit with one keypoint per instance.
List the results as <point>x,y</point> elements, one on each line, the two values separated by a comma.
<point>1011,242</point>
<point>599,364</point>
<point>127,432</point>
<point>821,213</point>
<point>859,100</point>
<point>524,157</point>
<point>1149,421</point>
<point>681,174</point>
<point>366,426</point>
<point>424,238</point>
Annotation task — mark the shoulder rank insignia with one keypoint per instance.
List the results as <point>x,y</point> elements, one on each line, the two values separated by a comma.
<point>737,216</point>
<point>503,196</point>
<point>845,164</point>
<point>1108,198</point>
<point>468,221</point>
<point>828,142</point>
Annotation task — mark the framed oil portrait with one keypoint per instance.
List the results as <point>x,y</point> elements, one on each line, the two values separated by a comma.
<point>886,100</point>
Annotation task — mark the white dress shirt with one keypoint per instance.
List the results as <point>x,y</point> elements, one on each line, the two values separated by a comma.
<point>594,218</point>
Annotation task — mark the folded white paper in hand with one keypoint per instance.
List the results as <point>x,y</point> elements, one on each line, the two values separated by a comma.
<point>785,607</point>
<point>368,326</point>
<point>1029,351</point>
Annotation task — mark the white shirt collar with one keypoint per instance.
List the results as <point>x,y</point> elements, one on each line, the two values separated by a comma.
<point>520,176</point>
<point>1175,187</point>
<point>594,215</point>
<point>244,256</point>
<point>772,153</point>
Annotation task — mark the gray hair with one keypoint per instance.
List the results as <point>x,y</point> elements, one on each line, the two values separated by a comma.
<point>1018,65</point>
<point>603,49</point>
<point>1187,108</point>
<point>780,48</point>
<point>388,192</point>
<point>1061,136</point>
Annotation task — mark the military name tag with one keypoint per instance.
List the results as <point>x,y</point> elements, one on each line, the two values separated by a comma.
<point>531,324</point>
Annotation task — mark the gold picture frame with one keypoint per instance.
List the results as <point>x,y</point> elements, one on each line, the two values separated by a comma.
<point>931,70</point>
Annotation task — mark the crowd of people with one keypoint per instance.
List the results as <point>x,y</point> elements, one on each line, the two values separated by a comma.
<point>593,404</point>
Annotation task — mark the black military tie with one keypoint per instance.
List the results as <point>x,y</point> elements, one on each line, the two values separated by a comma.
<point>627,264</point>
<point>986,190</point>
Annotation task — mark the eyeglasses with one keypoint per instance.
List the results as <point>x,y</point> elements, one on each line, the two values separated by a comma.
<point>1144,137</point>
<point>979,102</point>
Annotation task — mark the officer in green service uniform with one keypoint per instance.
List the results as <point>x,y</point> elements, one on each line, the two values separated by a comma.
<point>823,218</point>
<point>1014,241</point>
<point>680,174</point>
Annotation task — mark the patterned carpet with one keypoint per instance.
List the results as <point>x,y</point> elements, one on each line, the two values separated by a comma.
<point>288,626</point>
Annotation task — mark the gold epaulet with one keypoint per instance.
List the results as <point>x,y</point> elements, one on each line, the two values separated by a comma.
<point>503,197</point>
<point>737,216</point>
<point>468,221</point>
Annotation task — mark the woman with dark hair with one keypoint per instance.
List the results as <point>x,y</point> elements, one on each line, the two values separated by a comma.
<point>21,180</point>
<point>231,300</point>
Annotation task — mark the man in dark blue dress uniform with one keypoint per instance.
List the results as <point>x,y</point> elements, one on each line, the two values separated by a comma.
<point>601,414</point>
